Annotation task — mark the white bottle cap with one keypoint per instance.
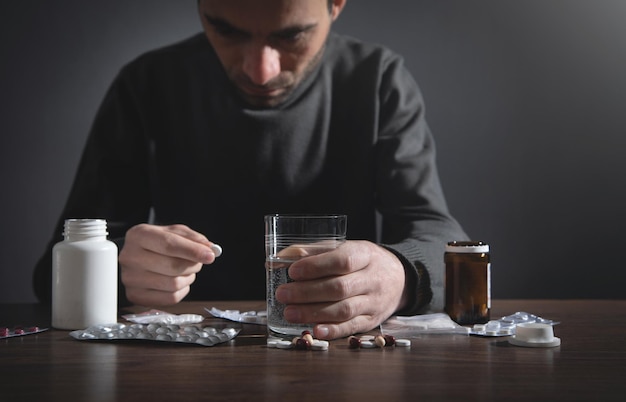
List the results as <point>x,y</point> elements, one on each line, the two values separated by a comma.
<point>534,335</point>
<point>467,247</point>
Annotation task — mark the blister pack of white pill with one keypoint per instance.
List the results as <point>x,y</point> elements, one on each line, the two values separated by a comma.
<point>163,317</point>
<point>195,334</point>
<point>506,325</point>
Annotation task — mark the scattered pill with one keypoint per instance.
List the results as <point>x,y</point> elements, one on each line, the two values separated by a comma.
<point>380,341</point>
<point>367,345</point>
<point>354,342</point>
<point>302,344</point>
<point>403,342</point>
<point>284,345</point>
<point>390,340</point>
<point>319,345</point>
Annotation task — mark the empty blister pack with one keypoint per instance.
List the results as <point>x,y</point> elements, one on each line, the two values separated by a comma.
<point>247,317</point>
<point>506,325</point>
<point>205,336</point>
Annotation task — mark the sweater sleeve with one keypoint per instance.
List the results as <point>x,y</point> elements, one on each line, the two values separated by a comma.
<point>416,222</point>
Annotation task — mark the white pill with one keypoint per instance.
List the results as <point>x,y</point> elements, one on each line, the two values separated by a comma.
<point>284,344</point>
<point>380,341</point>
<point>217,249</point>
<point>479,327</point>
<point>368,345</point>
<point>403,342</point>
<point>318,344</point>
<point>271,343</point>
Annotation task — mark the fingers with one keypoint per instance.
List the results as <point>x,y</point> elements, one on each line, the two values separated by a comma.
<point>349,257</point>
<point>153,289</point>
<point>336,275</point>
<point>159,263</point>
<point>324,290</point>
<point>152,297</point>
<point>176,241</point>
<point>339,319</point>
<point>348,290</point>
<point>344,329</point>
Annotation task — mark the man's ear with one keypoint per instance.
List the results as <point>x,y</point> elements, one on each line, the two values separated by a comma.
<point>338,5</point>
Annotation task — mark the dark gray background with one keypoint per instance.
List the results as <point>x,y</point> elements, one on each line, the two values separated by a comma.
<point>527,101</point>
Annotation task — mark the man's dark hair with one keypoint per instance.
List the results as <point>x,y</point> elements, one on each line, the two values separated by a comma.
<point>330,5</point>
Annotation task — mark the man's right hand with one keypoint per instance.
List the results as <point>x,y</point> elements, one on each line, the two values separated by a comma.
<point>159,263</point>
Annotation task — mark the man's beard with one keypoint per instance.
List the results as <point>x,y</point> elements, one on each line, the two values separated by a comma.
<point>276,91</point>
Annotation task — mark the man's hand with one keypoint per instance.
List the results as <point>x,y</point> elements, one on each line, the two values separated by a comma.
<point>345,291</point>
<point>159,263</point>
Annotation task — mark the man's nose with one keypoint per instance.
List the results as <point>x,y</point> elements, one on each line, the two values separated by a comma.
<point>261,64</point>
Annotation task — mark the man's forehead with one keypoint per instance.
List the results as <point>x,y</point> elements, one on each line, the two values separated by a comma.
<point>265,16</point>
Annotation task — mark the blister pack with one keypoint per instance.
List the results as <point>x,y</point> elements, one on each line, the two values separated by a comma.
<point>506,325</point>
<point>6,332</point>
<point>163,317</point>
<point>195,334</point>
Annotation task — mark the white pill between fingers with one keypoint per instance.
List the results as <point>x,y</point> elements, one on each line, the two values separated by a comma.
<point>217,249</point>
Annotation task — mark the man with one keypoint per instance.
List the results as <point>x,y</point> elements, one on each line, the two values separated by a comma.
<point>267,112</point>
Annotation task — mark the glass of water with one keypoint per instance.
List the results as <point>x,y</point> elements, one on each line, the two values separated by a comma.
<point>289,238</point>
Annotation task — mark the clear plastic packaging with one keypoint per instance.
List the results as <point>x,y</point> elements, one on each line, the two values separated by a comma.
<point>247,317</point>
<point>436,323</point>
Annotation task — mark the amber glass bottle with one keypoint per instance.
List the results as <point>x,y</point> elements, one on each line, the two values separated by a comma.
<point>468,282</point>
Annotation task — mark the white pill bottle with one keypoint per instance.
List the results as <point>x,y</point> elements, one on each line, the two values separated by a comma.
<point>84,276</point>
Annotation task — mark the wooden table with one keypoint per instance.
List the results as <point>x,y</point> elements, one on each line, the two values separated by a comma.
<point>590,364</point>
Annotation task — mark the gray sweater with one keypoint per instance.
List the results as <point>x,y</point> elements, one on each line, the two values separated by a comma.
<point>172,137</point>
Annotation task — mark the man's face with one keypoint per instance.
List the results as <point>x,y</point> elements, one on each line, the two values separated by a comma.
<point>267,47</point>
